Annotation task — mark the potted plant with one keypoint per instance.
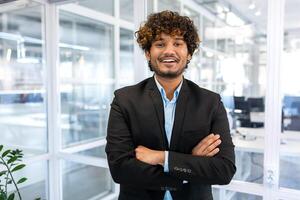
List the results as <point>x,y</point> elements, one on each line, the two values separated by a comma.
<point>10,162</point>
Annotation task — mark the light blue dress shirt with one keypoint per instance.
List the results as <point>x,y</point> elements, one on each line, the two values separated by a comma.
<point>169,112</point>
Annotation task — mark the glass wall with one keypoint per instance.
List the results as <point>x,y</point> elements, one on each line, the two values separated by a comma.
<point>95,47</point>
<point>87,72</point>
<point>222,194</point>
<point>290,136</point>
<point>81,182</point>
<point>126,73</point>
<point>23,119</point>
<point>96,39</point>
<point>22,81</point>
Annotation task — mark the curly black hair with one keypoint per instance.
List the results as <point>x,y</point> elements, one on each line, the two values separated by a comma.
<point>170,23</point>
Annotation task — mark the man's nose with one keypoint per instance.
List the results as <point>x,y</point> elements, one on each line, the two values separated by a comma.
<point>169,49</point>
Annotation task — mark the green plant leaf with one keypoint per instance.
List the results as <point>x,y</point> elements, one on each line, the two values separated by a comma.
<point>2,196</point>
<point>11,196</point>
<point>18,167</point>
<point>22,180</point>
<point>1,147</point>
<point>5,153</point>
<point>11,160</point>
<point>3,172</point>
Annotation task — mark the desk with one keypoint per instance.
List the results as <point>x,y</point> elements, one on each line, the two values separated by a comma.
<point>290,141</point>
<point>249,145</point>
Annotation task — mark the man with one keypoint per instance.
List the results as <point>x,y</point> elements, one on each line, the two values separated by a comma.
<point>164,134</point>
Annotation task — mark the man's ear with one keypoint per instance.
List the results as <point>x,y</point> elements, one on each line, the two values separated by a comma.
<point>147,54</point>
<point>189,57</point>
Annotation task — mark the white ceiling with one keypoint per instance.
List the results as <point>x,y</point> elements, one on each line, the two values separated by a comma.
<point>292,14</point>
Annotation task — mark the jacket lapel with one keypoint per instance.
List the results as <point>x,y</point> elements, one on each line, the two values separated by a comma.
<point>180,110</point>
<point>159,108</point>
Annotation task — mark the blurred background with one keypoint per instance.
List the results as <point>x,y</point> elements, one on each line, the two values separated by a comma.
<point>61,60</point>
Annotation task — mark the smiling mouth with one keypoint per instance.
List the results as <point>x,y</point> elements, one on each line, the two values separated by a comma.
<point>168,60</point>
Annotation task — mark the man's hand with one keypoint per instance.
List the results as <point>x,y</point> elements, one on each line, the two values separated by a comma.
<point>207,146</point>
<point>152,157</point>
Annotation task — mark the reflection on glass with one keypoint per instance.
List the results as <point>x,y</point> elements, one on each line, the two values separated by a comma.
<point>221,194</point>
<point>81,182</point>
<point>126,75</point>
<point>22,90</point>
<point>232,62</point>
<point>126,10</point>
<point>103,6</point>
<point>173,5</point>
<point>87,72</point>
<point>290,137</point>
<point>249,164</point>
<point>35,186</point>
<point>192,15</point>
<point>208,39</point>
<point>243,196</point>
<point>95,152</point>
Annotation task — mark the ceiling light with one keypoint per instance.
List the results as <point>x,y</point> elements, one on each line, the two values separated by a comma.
<point>252,6</point>
<point>258,13</point>
<point>209,54</point>
<point>8,54</point>
<point>233,20</point>
<point>219,9</point>
<point>226,9</point>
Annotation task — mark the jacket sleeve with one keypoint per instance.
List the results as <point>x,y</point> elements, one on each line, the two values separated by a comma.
<point>208,170</point>
<point>124,167</point>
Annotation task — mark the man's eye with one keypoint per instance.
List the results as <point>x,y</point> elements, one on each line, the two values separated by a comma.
<point>177,44</point>
<point>159,44</point>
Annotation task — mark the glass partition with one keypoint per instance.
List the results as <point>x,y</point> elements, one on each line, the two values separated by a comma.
<point>290,136</point>
<point>126,10</point>
<point>103,6</point>
<point>81,182</point>
<point>87,72</point>
<point>126,73</point>
<point>23,120</point>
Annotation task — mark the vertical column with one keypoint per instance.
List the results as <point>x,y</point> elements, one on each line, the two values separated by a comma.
<point>273,97</point>
<point>117,43</point>
<point>139,13</point>
<point>53,100</point>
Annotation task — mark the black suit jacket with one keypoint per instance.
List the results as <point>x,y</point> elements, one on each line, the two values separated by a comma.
<point>137,118</point>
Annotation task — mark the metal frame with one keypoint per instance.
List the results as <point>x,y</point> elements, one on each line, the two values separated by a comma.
<point>273,97</point>
<point>53,103</point>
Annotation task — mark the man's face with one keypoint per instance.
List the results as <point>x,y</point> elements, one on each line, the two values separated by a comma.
<point>168,56</point>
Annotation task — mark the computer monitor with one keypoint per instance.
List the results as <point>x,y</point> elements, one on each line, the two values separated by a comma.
<point>241,104</point>
<point>291,105</point>
<point>256,104</point>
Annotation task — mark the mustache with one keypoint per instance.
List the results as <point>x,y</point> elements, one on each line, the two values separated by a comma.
<point>168,57</point>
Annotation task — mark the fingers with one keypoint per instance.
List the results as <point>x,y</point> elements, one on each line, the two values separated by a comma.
<point>207,146</point>
<point>213,152</point>
<point>213,148</point>
<point>206,139</point>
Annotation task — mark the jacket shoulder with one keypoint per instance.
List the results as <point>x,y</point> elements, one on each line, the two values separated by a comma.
<point>132,90</point>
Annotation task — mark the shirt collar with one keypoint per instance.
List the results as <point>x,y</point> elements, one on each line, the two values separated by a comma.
<point>163,93</point>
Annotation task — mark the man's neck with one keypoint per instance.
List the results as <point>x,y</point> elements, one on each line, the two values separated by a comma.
<point>169,84</point>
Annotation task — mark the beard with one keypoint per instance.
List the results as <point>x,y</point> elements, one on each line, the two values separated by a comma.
<point>169,74</point>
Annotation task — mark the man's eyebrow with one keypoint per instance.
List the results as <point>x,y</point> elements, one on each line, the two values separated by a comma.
<point>179,38</point>
<point>158,39</point>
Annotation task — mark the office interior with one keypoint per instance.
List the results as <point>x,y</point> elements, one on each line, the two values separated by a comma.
<point>61,60</point>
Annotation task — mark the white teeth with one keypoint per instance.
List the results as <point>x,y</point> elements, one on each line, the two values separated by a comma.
<point>168,60</point>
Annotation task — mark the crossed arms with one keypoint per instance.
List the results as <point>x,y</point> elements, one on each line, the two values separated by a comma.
<point>142,167</point>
